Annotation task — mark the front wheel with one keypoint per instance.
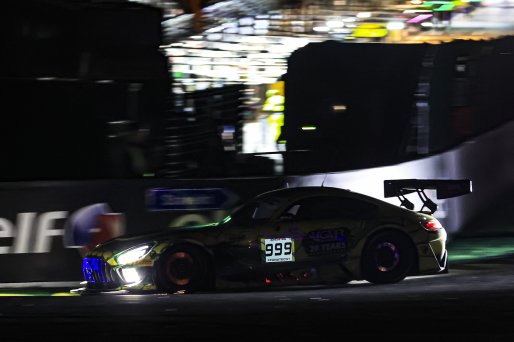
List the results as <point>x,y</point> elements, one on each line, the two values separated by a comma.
<point>184,268</point>
<point>387,258</point>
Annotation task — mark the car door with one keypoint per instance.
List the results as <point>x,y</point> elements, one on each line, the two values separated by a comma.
<point>321,228</point>
<point>239,245</point>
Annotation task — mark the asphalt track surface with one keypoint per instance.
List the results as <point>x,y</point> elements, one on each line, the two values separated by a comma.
<point>473,302</point>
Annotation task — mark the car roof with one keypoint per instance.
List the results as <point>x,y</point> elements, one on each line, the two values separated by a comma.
<point>295,193</point>
<point>305,191</point>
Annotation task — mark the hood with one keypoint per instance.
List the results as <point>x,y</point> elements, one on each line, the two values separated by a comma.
<point>124,242</point>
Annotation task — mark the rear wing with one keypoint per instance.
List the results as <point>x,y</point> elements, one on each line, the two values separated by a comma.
<point>445,188</point>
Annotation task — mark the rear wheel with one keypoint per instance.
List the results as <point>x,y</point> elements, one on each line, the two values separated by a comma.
<point>387,258</point>
<point>184,268</point>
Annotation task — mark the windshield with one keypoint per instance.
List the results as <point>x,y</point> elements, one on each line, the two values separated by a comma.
<point>254,211</point>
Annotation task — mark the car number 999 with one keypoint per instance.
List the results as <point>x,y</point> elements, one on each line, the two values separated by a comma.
<point>278,250</point>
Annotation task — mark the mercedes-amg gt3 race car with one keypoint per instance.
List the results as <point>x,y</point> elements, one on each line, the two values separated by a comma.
<point>303,235</point>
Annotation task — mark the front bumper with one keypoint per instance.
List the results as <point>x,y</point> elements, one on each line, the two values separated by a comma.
<point>99,276</point>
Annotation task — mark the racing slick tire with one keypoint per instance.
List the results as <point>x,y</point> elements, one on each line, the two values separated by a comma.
<point>184,268</point>
<point>388,257</point>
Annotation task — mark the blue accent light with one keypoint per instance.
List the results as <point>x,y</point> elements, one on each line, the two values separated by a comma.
<point>93,270</point>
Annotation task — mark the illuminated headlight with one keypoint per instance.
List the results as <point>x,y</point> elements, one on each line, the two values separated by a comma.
<point>133,254</point>
<point>130,275</point>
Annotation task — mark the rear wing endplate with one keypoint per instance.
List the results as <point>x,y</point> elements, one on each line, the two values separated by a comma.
<point>445,188</point>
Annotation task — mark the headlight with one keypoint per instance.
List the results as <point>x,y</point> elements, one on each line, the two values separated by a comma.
<point>131,275</point>
<point>133,254</point>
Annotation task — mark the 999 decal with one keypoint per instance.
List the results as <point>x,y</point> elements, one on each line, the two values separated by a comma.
<point>277,250</point>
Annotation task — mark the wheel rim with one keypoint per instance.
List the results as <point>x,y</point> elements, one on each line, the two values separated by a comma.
<point>180,268</point>
<point>387,257</point>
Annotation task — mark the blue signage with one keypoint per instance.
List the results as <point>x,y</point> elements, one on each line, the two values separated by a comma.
<point>189,199</point>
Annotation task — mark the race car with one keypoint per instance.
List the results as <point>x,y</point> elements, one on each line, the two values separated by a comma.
<point>301,235</point>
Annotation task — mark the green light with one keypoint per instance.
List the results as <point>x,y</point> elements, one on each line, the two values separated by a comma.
<point>445,8</point>
<point>201,225</point>
<point>226,219</point>
<point>479,248</point>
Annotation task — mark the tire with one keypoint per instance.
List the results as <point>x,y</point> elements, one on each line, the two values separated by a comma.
<point>388,257</point>
<point>184,268</point>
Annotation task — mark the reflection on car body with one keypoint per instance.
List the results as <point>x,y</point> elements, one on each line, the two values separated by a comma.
<point>304,235</point>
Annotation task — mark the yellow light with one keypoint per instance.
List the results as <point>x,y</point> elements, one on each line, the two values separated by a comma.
<point>370,30</point>
<point>339,108</point>
<point>309,128</point>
